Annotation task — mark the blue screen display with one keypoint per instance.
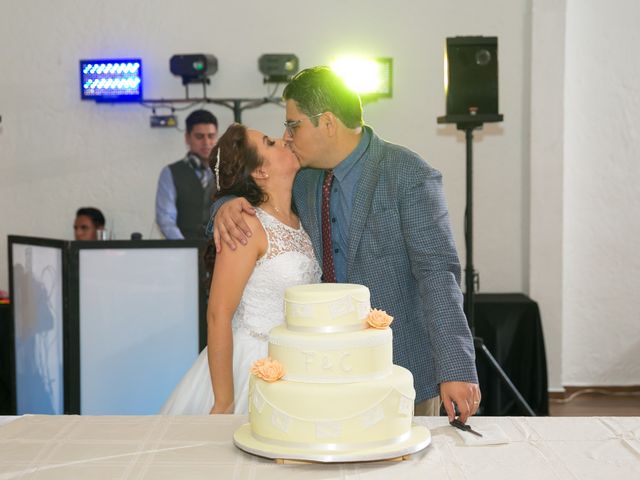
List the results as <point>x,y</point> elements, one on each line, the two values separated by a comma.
<point>111,80</point>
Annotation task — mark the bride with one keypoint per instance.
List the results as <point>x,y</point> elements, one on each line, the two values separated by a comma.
<point>247,287</point>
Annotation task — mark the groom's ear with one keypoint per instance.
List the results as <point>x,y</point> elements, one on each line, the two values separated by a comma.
<point>332,124</point>
<point>329,122</point>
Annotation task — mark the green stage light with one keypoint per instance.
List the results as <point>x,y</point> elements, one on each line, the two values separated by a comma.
<point>371,78</point>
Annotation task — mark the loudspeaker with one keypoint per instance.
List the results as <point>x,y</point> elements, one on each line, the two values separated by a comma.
<point>472,76</point>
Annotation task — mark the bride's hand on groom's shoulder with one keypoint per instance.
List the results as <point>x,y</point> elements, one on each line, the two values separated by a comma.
<point>229,226</point>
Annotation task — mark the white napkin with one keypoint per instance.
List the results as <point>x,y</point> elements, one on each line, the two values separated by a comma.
<point>492,434</point>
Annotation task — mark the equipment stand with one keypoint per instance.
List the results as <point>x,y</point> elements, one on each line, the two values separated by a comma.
<point>470,273</point>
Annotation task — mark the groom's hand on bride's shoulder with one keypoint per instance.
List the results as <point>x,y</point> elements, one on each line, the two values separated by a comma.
<point>229,226</point>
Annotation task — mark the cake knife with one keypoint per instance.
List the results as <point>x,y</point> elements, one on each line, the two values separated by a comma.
<point>464,427</point>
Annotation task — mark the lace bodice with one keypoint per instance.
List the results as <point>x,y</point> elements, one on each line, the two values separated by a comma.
<point>289,260</point>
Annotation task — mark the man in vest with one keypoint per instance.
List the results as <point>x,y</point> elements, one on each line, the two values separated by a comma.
<point>185,188</point>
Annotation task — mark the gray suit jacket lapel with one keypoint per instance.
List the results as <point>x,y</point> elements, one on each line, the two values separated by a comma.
<point>308,208</point>
<point>364,196</point>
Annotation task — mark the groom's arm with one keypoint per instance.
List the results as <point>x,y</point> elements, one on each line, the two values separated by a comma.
<point>434,263</point>
<point>226,223</point>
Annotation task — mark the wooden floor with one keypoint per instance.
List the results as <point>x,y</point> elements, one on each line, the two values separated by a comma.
<point>594,402</point>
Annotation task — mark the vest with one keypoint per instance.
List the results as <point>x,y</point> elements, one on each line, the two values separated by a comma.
<point>192,201</point>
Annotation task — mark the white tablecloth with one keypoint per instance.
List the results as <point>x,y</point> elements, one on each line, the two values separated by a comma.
<point>158,447</point>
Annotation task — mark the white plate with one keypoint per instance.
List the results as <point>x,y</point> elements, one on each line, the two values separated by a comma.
<point>244,440</point>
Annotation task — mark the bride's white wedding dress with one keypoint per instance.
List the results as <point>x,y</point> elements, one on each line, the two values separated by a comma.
<point>288,261</point>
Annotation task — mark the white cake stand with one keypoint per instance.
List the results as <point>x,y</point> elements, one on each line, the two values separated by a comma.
<point>419,439</point>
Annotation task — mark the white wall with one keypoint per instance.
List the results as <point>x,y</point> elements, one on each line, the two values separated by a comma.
<point>583,264</point>
<point>546,176</point>
<point>58,153</point>
<point>601,194</point>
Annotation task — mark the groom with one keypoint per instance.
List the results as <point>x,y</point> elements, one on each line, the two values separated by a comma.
<point>377,216</point>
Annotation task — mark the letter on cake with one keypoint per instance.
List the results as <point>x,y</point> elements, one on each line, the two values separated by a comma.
<point>327,364</point>
<point>308,359</point>
<point>344,363</point>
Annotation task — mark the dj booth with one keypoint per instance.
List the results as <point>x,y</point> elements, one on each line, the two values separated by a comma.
<point>6,361</point>
<point>105,327</point>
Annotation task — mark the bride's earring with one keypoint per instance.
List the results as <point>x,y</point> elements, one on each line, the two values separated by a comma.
<point>260,174</point>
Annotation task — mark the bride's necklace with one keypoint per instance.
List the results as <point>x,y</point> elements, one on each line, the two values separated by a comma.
<point>274,208</point>
<point>286,219</point>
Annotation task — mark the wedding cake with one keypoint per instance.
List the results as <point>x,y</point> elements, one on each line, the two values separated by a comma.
<point>329,390</point>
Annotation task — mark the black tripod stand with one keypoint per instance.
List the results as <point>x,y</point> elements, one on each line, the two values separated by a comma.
<point>468,124</point>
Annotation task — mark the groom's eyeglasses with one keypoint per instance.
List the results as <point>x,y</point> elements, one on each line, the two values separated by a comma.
<point>292,125</point>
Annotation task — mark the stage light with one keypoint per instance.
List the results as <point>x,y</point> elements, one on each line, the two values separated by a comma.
<point>111,80</point>
<point>371,78</point>
<point>193,68</point>
<point>278,67</point>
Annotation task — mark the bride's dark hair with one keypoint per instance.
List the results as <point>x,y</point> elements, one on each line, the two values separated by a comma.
<point>232,161</point>
<point>237,160</point>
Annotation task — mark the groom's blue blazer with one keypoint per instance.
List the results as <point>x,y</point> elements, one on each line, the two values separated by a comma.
<point>402,248</point>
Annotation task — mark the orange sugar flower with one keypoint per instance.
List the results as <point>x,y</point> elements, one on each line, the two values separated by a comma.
<point>267,369</point>
<point>379,319</point>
